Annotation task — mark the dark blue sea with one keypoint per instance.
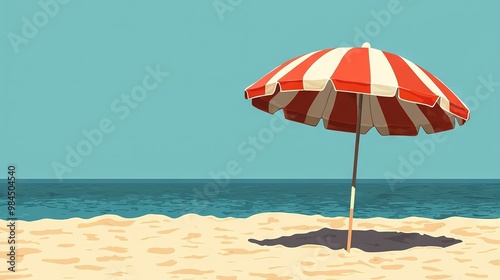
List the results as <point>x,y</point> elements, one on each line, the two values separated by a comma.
<point>38,199</point>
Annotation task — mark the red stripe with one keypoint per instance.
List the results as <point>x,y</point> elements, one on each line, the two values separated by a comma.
<point>298,108</point>
<point>456,106</point>
<point>436,117</point>
<point>411,88</point>
<point>259,88</point>
<point>353,72</point>
<point>344,113</point>
<point>293,80</point>
<point>398,122</point>
<point>262,103</point>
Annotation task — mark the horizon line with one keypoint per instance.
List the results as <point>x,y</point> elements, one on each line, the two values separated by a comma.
<point>252,179</point>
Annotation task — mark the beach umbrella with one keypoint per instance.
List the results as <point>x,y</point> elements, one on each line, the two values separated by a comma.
<point>355,89</point>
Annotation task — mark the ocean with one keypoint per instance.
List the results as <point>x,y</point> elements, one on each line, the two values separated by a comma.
<point>438,199</point>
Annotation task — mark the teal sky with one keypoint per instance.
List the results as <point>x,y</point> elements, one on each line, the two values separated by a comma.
<point>66,68</point>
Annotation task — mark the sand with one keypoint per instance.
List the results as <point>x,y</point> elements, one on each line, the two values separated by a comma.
<point>205,247</point>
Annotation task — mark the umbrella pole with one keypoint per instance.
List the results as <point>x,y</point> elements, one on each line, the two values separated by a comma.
<point>354,170</point>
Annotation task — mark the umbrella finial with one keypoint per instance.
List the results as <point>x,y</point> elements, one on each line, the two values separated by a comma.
<point>366,45</point>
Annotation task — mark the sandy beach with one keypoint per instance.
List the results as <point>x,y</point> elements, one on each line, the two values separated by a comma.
<point>206,247</point>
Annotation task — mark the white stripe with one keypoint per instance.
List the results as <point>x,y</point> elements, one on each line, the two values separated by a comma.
<point>318,106</point>
<point>271,84</point>
<point>280,100</point>
<point>329,105</point>
<point>366,117</point>
<point>353,194</point>
<point>320,72</point>
<point>378,117</point>
<point>382,78</point>
<point>444,102</point>
<point>416,116</point>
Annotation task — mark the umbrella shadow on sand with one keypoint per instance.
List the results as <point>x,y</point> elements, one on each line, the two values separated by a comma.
<point>366,240</point>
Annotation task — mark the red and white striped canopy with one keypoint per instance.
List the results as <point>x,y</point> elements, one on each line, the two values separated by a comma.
<point>399,96</point>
